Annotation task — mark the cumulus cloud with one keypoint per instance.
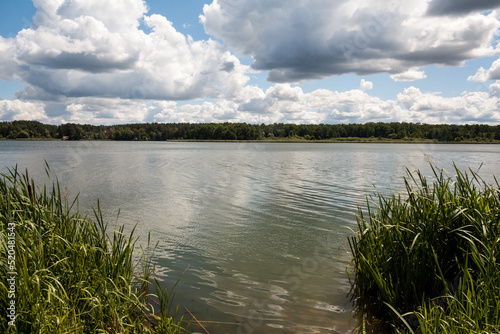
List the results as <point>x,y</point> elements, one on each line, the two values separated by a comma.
<point>356,106</point>
<point>103,111</point>
<point>20,110</point>
<point>365,85</point>
<point>478,107</point>
<point>95,48</point>
<point>280,103</point>
<point>207,112</point>
<point>115,15</point>
<point>493,73</point>
<point>108,62</point>
<point>309,39</point>
<point>495,89</point>
<point>410,75</point>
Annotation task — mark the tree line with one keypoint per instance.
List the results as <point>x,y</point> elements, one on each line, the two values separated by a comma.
<point>244,131</point>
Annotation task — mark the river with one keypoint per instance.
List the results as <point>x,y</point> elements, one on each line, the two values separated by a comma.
<point>257,231</point>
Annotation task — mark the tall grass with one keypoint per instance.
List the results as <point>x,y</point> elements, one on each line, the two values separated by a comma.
<point>428,261</point>
<point>74,275</point>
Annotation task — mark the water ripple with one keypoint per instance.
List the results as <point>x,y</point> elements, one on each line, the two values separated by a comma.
<point>257,231</point>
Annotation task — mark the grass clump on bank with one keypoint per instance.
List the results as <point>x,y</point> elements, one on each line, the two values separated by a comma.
<point>72,274</point>
<point>429,261</point>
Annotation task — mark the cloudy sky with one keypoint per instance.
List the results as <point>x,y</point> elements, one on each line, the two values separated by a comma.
<point>254,61</point>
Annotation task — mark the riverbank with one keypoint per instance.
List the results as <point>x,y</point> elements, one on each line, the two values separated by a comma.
<point>243,131</point>
<point>427,261</point>
<point>64,272</point>
<point>203,197</point>
<point>357,140</point>
<point>299,140</point>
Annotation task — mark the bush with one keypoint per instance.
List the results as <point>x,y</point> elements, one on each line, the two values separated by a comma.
<point>429,260</point>
<point>23,134</point>
<point>72,274</point>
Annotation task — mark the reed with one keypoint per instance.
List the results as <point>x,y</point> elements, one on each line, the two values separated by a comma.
<point>74,274</point>
<point>427,260</point>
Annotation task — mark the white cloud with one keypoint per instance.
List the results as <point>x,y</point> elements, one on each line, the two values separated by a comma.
<point>89,62</point>
<point>410,75</point>
<point>493,73</point>
<point>95,48</point>
<point>476,107</point>
<point>104,111</point>
<point>19,110</point>
<point>280,103</point>
<point>480,76</point>
<point>311,39</point>
<point>495,89</point>
<point>365,85</point>
<point>117,16</point>
<point>322,106</point>
<point>355,106</point>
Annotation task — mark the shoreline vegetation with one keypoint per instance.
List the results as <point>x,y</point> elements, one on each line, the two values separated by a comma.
<point>234,132</point>
<point>64,273</point>
<point>428,261</point>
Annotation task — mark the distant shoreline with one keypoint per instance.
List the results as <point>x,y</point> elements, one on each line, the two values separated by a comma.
<point>353,140</point>
<point>242,132</point>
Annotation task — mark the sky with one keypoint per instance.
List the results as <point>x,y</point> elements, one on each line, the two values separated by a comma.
<point>254,61</point>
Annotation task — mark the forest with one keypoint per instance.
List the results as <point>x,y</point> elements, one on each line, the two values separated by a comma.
<point>243,131</point>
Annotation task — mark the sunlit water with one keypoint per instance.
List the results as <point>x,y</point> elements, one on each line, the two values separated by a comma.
<point>257,231</point>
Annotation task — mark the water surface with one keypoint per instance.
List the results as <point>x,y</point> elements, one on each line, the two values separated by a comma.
<point>257,231</point>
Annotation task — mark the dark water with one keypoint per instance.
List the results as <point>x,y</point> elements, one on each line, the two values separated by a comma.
<point>257,231</point>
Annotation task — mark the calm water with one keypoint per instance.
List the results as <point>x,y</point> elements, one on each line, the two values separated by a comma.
<point>257,231</point>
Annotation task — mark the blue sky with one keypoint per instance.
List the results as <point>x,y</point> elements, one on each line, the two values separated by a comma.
<point>258,61</point>
<point>183,14</point>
